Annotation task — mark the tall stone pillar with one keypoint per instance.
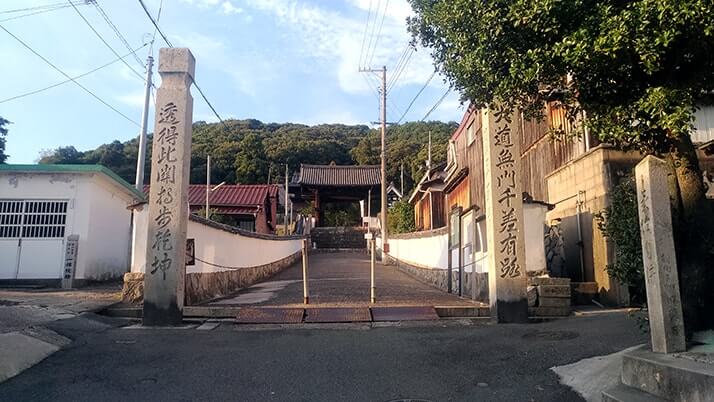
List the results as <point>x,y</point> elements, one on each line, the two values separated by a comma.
<point>504,215</point>
<point>664,305</point>
<point>168,197</point>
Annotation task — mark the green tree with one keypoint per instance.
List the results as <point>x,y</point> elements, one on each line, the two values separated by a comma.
<point>3,134</point>
<point>620,223</point>
<point>250,161</point>
<point>62,155</point>
<point>400,217</point>
<point>635,68</point>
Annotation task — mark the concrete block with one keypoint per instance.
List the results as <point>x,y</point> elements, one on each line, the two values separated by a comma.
<point>668,376</point>
<point>554,291</point>
<point>623,393</point>
<point>549,281</point>
<point>553,302</point>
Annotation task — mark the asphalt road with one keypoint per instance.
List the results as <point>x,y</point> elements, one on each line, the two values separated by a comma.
<point>455,360</point>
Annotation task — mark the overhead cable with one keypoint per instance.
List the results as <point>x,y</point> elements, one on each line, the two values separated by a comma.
<point>28,47</point>
<point>417,95</point>
<point>76,77</point>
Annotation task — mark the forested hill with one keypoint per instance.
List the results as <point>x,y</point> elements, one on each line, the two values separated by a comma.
<point>248,151</point>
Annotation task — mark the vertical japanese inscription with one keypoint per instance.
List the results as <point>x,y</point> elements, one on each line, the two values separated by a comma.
<point>506,194</point>
<point>162,241</point>
<point>504,215</point>
<point>164,282</point>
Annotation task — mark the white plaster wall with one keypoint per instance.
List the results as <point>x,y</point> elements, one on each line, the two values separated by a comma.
<point>430,252</point>
<point>96,212</point>
<point>217,247</point>
<point>109,232</point>
<point>533,222</point>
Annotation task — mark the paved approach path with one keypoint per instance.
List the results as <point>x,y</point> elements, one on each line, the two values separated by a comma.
<point>447,360</point>
<point>343,279</point>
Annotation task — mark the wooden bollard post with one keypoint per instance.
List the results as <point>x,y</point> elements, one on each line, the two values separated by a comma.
<point>305,288</point>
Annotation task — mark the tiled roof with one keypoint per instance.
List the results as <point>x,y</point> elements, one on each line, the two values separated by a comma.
<point>234,195</point>
<point>334,175</point>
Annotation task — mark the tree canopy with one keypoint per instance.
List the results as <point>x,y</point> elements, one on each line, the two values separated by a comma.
<point>250,151</point>
<point>637,68</point>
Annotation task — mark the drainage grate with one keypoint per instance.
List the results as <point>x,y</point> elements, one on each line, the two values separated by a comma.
<point>338,314</point>
<point>551,335</point>
<point>250,315</point>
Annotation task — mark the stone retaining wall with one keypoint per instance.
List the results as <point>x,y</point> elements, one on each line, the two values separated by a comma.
<point>204,286</point>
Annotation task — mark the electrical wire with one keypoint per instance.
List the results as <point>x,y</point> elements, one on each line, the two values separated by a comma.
<point>54,6</point>
<point>436,105</point>
<point>117,32</point>
<point>200,91</point>
<point>364,36</point>
<point>28,47</point>
<point>73,78</point>
<point>416,96</point>
<point>379,32</point>
<point>105,42</point>
<point>156,25</point>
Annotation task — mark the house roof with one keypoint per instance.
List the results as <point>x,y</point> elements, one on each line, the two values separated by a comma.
<point>334,175</point>
<point>77,169</point>
<point>232,195</point>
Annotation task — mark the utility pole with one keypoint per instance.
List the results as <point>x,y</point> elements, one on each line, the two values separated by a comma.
<point>402,179</point>
<point>383,165</point>
<point>141,160</point>
<point>286,199</point>
<point>208,181</point>
<point>428,163</point>
<point>385,240</point>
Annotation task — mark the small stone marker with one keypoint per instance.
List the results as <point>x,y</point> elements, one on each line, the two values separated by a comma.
<point>168,198</point>
<point>504,211</point>
<point>663,300</point>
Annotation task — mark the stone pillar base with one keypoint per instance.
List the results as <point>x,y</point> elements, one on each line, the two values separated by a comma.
<point>133,289</point>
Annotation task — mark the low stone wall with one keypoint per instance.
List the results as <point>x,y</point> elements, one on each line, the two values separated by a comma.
<point>204,286</point>
<point>438,278</point>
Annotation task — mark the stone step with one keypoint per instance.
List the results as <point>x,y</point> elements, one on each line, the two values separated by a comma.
<point>668,376</point>
<point>623,393</point>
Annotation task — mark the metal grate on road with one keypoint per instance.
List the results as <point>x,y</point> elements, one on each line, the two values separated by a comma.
<point>338,314</point>
<point>250,315</point>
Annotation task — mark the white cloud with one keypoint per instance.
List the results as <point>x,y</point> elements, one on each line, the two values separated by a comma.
<point>229,8</point>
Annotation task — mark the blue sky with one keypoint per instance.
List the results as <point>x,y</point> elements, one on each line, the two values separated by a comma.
<point>273,60</point>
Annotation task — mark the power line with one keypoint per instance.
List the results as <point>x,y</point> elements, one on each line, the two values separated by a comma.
<point>156,25</point>
<point>42,11</point>
<point>200,91</point>
<point>364,36</point>
<point>416,96</point>
<point>54,6</point>
<point>116,31</point>
<point>67,76</point>
<point>73,78</point>
<point>105,42</point>
<point>371,35</point>
<point>408,56</point>
<point>436,105</point>
<point>379,32</point>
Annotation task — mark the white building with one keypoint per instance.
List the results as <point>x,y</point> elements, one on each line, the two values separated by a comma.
<point>50,212</point>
